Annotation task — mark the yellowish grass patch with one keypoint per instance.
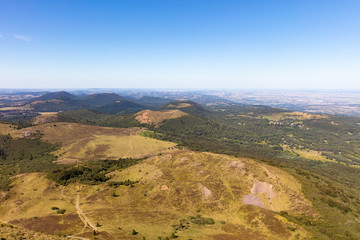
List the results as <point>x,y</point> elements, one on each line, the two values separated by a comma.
<point>156,117</point>
<point>7,129</point>
<point>293,115</point>
<point>310,154</point>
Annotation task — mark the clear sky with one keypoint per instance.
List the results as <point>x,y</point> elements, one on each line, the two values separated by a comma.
<point>269,44</point>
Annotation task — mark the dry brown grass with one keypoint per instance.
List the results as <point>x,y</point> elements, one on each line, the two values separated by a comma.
<point>7,129</point>
<point>45,117</point>
<point>81,143</point>
<point>298,116</point>
<point>13,108</point>
<point>179,105</point>
<point>13,232</point>
<point>156,117</point>
<point>307,153</point>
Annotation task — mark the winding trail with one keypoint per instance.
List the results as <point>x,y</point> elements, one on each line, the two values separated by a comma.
<point>80,213</point>
<point>78,237</point>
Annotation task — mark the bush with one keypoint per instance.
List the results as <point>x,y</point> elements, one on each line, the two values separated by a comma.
<point>198,219</point>
<point>122,183</point>
<point>61,211</point>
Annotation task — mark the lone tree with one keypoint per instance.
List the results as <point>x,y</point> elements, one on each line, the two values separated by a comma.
<point>134,232</point>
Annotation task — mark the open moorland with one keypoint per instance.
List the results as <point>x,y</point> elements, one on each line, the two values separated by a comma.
<point>191,194</point>
<point>81,143</point>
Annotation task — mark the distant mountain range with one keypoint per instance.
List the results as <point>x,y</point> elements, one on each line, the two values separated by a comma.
<point>103,102</point>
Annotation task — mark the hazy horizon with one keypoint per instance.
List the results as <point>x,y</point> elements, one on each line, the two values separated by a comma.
<point>184,89</point>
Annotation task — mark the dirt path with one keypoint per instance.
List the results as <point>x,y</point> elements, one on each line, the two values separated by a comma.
<point>81,214</point>
<point>78,237</point>
<point>131,148</point>
<point>62,192</point>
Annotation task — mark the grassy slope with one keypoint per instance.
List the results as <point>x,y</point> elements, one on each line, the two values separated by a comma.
<point>7,129</point>
<point>292,115</point>
<point>101,147</point>
<point>45,117</point>
<point>332,187</point>
<point>171,188</point>
<point>29,204</point>
<point>84,142</point>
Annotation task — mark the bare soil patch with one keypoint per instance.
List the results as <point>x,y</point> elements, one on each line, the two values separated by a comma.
<point>253,200</point>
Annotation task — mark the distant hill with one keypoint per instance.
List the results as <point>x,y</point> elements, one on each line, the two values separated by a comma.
<point>187,106</point>
<point>100,99</point>
<point>54,102</point>
<point>54,95</point>
<point>155,102</point>
<point>121,107</point>
<point>61,103</point>
<point>104,102</point>
<point>209,100</point>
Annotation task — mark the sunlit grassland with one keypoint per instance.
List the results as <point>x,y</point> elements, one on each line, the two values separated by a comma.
<point>170,188</point>
<point>80,143</point>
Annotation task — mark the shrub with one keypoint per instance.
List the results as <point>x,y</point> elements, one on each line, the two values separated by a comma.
<point>198,219</point>
<point>61,211</point>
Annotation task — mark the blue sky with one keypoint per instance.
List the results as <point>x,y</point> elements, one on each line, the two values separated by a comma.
<point>299,44</point>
